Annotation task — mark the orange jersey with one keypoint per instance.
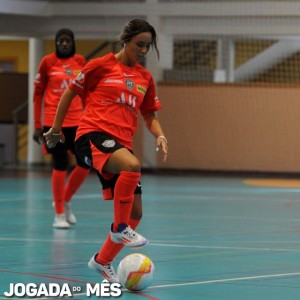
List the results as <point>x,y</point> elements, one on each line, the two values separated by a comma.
<point>53,78</point>
<point>113,94</point>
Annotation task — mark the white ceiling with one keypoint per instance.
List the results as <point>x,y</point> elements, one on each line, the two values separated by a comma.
<point>104,19</point>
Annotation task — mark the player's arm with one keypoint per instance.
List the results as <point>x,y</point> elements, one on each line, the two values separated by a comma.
<point>154,127</point>
<point>40,84</point>
<point>37,112</point>
<point>55,135</point>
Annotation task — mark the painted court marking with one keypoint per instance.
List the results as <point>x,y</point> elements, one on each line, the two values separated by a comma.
<point>226,280</point>
<point>274,182</point>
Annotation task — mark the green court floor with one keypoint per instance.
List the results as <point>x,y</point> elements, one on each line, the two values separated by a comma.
<point>211,237</point>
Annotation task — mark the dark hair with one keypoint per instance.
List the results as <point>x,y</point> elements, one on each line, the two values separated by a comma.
<point>136,26</point>
<point>59,33</point>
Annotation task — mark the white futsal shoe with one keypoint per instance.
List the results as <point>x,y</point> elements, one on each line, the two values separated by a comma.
<point>60,222</point>
<point>69,214</point>
<point>128,237</point>
<point>107,271</point>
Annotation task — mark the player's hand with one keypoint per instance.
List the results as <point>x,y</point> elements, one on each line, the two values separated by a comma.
<point>162,144</point>
<point>52,138</point>
<point>38,135</point>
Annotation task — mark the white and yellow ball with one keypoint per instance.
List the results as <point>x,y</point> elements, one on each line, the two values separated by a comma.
<point>136,272</point>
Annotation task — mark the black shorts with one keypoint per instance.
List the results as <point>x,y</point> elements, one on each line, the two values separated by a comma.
<point>94,149</point>
<point>61,151</point>
<point>68,145</point>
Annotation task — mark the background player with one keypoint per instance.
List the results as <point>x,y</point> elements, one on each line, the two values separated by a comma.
<point>55,73</point>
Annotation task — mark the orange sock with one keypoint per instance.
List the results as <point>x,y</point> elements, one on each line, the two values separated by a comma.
<point>75,180</point>
<point>123,197</point>
<point>58,190</point>
<point>110,250</point>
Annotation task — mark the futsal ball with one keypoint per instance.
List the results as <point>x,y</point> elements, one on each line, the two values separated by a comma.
<point>136,272</point>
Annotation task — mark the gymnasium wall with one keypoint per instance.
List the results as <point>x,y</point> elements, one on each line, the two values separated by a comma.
<point>16,51</point>
<point>14,91</point>
<point>14,85</point>
<point>231,127</point>
<point>223,127</point>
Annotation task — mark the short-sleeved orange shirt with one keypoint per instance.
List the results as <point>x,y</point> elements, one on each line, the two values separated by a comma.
<point>53,78</point>
<point>113,94</point>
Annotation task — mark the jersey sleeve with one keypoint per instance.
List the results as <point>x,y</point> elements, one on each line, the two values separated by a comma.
<point>151,102</point>
<point>86,79</point>
<point>40,84</point>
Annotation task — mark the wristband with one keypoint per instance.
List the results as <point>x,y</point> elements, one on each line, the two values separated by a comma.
<point>56,133</point>
<point>163,137</point>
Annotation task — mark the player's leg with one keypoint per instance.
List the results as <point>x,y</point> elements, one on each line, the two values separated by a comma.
<point>110,249</point>
<point>96,150</point>
<point>101,261</point>
<point>107,156</point>
<point>59,173</point>
<point>58,177</point>
<point>124,163</point>
<point>77,175</point>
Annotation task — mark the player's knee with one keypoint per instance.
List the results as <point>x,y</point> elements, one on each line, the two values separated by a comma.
<point>134,166</point>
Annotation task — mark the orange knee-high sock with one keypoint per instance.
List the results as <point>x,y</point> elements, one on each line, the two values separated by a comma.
<point>75,180</point>
<point>58,190</point>
<point>110,250</point>
<point>123,197</point>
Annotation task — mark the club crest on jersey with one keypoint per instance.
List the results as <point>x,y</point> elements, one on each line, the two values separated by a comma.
<point>129,84</point>
<point>108,143</point>
<point>68,72</point>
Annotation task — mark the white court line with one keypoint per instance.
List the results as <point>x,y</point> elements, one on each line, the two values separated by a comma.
<point>225,280</point>
<point>156,244</point>
<point>225,247</point>
<point>12,200</point>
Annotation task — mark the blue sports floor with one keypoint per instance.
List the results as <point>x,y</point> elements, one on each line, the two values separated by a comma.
<point>211,237</point>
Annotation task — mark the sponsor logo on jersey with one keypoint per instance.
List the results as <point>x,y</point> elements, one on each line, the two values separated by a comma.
<point>128,75</point>
<point>80,78</point>
<point>129,84</point>
<point>57,73</point>
<point>76,72</point>
<point>37,78</point>
<point>113,81</point>
<point>108,143</point>
<point>128,101</point>
<point>141,89</point>
<point>65,83</point>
